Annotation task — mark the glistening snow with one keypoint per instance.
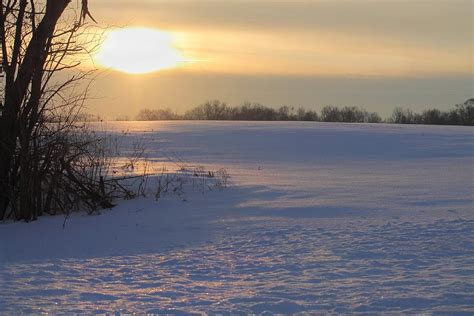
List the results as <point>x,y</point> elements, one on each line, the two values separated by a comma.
<point>319,218</point>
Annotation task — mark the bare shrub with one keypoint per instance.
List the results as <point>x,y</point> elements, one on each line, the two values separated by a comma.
<point>194,178</point>
<point>49,163</point>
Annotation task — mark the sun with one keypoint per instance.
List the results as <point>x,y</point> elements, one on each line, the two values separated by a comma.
<point>138,51</point>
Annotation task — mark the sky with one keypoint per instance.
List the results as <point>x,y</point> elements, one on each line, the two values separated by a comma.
<point>376,54</point>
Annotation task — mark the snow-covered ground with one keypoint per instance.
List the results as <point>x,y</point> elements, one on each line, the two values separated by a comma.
<point>318,218</point>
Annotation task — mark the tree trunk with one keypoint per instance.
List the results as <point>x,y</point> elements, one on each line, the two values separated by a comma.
<point>16,91</point>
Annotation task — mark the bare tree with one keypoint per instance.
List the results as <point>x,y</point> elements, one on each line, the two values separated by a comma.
<point>42,41</point>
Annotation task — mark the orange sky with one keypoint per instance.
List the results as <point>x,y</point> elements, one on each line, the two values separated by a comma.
<point>423,41</point>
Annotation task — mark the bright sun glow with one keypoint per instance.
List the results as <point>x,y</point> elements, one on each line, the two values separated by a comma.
<point>138,51</point>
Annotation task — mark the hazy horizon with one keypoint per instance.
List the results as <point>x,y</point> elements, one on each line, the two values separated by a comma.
<point>373,54</point>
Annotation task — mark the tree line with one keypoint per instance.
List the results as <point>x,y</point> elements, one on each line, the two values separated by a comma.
<point>460,114</point>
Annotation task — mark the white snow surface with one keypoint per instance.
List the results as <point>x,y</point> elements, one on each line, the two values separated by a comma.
<point>341,218</point>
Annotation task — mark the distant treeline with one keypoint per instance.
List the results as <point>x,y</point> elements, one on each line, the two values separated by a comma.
<point>461,114</point>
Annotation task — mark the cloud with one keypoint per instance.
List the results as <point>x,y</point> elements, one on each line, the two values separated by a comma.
<point>368,37</point>
<point>434,21</point>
